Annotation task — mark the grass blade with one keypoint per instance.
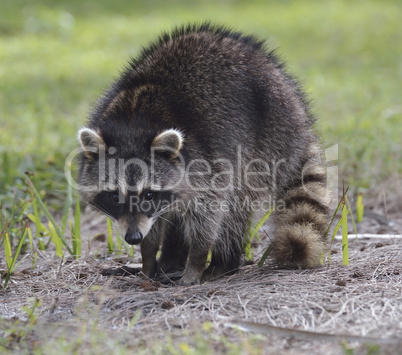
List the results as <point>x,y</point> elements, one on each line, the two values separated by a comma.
<point>34,253</point>
<point>264,257</point>
<point>119,240</point>
<point>39,226</point>
<point>122,243</point>
<point>7,251</point>
<point>335,213</point>
<point>345,247</point>
<point>249,251</point>
<point>351,215</point>
<point>253,232</point>
<point>66,209</point>
<point>76,233</point>
<point>11,265</point>
<point>338,225</point>
<point>359,208</point>
<point>109,235</point>
<point>56,240</point>
<point>52,222</point>
<point>3,230</point>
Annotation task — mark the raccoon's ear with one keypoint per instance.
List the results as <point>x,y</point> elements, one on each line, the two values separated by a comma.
<point>90,141</point>
<point>168,142</point>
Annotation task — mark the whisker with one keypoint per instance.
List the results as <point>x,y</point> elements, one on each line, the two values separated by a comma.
<point>162,211</point>
<point>101,209</point>
<point>165,219</point>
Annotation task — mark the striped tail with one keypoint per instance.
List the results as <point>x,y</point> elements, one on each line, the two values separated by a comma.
<point>299,239</point>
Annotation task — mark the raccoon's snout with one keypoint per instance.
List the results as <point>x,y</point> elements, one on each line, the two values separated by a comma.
<point>133,237</point>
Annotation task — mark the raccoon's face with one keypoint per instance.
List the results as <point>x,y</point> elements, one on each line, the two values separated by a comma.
<point>131,183</point>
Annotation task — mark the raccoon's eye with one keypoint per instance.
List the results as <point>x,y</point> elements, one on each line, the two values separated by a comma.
<point>115,197</point>
<point>149,195</point>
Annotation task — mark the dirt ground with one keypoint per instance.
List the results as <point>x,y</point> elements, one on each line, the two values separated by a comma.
<point>363,299</point>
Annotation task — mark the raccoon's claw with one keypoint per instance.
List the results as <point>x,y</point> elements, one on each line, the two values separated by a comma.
<point>190,279</point>
<point>171,278</point>
<point>183,282</point>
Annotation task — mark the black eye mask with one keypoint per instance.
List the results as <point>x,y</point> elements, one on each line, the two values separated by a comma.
<point>108,202</point>
<point>149,203</point>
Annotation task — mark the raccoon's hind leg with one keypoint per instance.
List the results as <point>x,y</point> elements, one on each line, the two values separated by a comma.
<point>174,248</point>
<point>298,239</point>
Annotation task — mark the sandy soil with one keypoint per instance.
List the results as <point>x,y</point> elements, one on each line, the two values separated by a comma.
<point>363,299</point>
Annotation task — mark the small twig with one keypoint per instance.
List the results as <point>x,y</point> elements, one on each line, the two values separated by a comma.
<point>304,334</point>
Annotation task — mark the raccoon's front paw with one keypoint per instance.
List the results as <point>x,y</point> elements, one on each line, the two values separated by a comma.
<point>186,282</point>
<point>150,269</point>
<point>190,278</point>
<point>171,278</point>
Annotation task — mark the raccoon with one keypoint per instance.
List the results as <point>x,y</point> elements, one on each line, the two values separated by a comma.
<point>200,127</point>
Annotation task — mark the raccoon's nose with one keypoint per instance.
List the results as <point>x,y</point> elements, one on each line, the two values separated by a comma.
<point>133,238</point>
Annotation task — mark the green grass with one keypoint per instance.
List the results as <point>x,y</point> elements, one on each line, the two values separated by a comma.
<point>34,337</point>
<point>57,56</point>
